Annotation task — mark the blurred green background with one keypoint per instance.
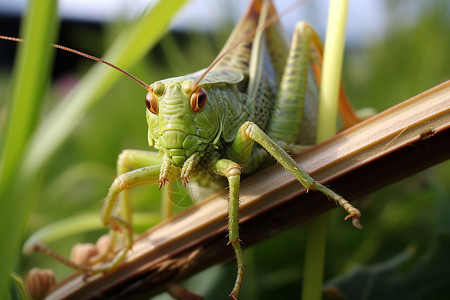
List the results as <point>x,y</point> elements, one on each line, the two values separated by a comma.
<point>405,225</point>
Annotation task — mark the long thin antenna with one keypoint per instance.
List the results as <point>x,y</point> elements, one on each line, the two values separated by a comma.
<point>91,57</point>
<point>245,37</point>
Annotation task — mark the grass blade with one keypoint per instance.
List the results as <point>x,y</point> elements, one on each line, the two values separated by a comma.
<point>23,158</point>
<point>30,75</point>
<point>128,49</point>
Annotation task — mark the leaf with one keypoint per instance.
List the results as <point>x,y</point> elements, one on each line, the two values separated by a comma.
<point>411,274</point>
<point>128,49</point>
<point>429,278</point>
<point>30,75</point>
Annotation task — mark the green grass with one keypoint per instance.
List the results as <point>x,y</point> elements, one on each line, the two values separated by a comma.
<point>75,166</point>
<point>29,80</point>
<point>25,152</point>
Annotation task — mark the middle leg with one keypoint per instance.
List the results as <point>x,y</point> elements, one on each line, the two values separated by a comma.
<point>232,171</point>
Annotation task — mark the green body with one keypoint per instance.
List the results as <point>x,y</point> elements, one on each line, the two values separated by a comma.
<point>259,92</point>
<point>179,133</point>
<point>239,89</point>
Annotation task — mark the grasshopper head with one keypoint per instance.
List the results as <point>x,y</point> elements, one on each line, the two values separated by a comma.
<point>181,120</point>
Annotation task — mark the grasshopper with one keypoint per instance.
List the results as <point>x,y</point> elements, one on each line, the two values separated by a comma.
<point>206,124</point>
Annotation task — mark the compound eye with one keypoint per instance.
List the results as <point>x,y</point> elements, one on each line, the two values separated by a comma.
<point>151,103</point>
<point>198,100</point>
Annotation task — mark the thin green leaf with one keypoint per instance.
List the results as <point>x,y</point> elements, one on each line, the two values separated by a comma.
<point>30,74</point>
<point>427,279</point>
<point>80,224</point>
<point>128,49</point>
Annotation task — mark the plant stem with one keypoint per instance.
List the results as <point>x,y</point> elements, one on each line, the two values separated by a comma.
<point>317,228</point>
<point>331,70</point>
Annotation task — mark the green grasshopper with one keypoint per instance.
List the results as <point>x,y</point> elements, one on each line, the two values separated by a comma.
<point>206,123</point>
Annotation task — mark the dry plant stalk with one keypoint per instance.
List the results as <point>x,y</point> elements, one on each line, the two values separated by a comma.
<point>394,144</point>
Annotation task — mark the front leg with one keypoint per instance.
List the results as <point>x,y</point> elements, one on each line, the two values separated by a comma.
<point>232,171</point>
<point>118,217</point>
<point>147,170</point>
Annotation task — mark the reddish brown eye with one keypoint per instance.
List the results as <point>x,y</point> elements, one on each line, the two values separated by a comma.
<point>151,103</point>
<point>198,100</point>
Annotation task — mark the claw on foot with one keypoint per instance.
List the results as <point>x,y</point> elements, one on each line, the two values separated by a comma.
<point>355,219</point>
<point>162,182</point>
<point>232,295</point>
<point>355,222</point>
<point>184,179</point>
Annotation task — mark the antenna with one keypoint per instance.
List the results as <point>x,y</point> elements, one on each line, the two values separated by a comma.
<point>245,37</point>
<point>91,57</point>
